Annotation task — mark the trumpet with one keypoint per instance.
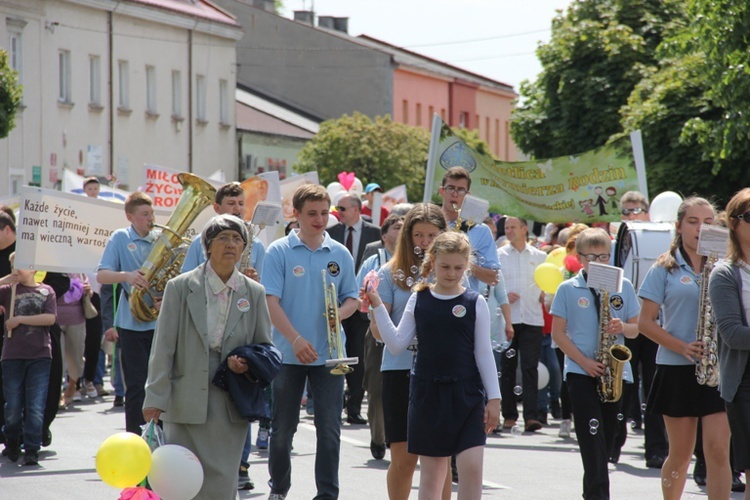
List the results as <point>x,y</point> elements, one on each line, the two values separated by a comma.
<point>338,365</point>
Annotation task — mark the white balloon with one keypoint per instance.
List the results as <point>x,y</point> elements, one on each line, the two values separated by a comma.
<point>176,473</point>
<point>357,188</point>
<point>664,207</point>
<point>543,379</point>
<point>334,188</point>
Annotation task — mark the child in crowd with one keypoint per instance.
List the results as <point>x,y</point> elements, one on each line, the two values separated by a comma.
<point>575,329</point>
<point>454,371</point>
<point>29,309</point>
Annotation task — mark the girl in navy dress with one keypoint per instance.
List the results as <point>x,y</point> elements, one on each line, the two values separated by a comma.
<point>454,372</point>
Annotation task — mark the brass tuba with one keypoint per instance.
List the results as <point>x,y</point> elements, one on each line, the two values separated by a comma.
<point>612,356</point>
<point>338,365</point>
<point>707,368</point>
<point>166,256</point>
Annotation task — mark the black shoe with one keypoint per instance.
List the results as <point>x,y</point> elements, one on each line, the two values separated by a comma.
<point>655,462</point>
<point>700,479</point>
<point>243,479</point>
<point>532,426</point>
<point>543,418</point>
<point>377,450</point>
<point>699,473</point>
<point>119,402</point>
<point>31,458</point>
<point>737,484</point>
<point>356,419</point>
<point>614,457</point>
<point>12,451</point>
<point>47,439</point>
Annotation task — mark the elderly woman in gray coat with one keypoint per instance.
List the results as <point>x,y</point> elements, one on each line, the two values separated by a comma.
<point>205,314</point>
<point>729,290</point>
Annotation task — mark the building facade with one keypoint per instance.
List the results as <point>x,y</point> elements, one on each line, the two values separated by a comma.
<point>112,85</point>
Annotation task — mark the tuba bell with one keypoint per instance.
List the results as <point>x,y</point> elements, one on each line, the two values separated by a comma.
<point>166,256</point>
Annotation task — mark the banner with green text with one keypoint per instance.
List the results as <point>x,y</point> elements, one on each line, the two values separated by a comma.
<point>584,187</point>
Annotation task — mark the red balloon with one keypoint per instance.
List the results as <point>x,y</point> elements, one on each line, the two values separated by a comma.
<point>572,264</point>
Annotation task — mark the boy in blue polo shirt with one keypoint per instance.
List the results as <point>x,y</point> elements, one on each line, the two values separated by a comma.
<point>126,250</point>
<point>575,329</point>
<point>294,291</point>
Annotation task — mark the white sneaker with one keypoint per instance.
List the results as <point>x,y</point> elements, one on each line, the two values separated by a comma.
<point>77,396</point>
<point>564,429</point>
<point>91,391</point>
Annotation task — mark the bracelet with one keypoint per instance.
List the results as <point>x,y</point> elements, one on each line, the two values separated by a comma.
<point>295,340</point>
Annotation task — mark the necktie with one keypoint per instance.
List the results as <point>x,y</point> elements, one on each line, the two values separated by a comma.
<point>349,239</point>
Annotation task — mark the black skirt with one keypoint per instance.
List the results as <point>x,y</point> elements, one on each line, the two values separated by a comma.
<point>676,392</point>
<point>395,405</point>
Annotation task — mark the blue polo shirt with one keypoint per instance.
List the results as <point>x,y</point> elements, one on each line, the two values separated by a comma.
<point>679,292</point>
<point>484,252</point>
<point>126,251</point>
<point>292,272</point>
<point>196,256</point>
<point>397,297</point>
<point>574,302</point>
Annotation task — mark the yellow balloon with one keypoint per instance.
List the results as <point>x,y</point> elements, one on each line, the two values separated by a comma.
<point>556,257</point>
<point>123,460</point>
<point>39,276</point>
<point>548,277</point>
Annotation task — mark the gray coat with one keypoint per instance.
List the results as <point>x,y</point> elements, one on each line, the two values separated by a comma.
<point>725,291</point>
<point>178,378</point>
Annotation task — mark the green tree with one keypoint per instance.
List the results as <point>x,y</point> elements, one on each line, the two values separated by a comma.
<point>471,138</point>
<point>376,150</point>
<point>599,50</point>
<point>10,95</point>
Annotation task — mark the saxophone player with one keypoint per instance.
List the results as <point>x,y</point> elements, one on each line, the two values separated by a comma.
<point>674,285</point>
<point>576,330</point>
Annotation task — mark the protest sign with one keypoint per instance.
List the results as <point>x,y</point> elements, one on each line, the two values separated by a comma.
<point>73,183</point>
<point>583,187</point>
<point>163,185</point>
<point>394,196</point>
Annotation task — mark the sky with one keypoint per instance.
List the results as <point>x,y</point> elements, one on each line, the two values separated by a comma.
<point>493,38</point>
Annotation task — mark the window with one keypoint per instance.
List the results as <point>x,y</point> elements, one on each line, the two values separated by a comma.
<point>463,119</point>
<point>123,101</point>
<point>419,114</point>
<point>405,112</point>
<point>223,102</point>
<point>487,130</point>
<point>64,77</point>
<point>176,94</point>
<point>15,52</point>
<point>442,113</point>
<point>151,90</point>
<point>497,139</point>
<point>95,87</point>
<point>200,98</point>
<point>430,114</point>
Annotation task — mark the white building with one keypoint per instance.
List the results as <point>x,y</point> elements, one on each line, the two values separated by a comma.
<point>112,85</point>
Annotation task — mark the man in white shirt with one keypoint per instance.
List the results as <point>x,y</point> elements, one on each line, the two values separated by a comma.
<point>518,260</point>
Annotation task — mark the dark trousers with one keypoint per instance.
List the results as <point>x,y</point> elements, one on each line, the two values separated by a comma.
<point>595,425</point>
<point>136,348</point>
<point>55,379</point>
<point>527,342</point>
<point>355,327</point>
<point>93,341</point>
<point>373,384</point>
<point>655,434</point>
<point>565,408</point>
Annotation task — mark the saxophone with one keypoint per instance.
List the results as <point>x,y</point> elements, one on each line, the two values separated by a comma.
<point>166,256</point>
<point>338,365</point>
<point>612,356</point>
<point>244,262</point>
<point>707,368</point>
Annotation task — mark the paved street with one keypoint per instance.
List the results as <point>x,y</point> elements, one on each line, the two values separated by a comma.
<point>539,466</point>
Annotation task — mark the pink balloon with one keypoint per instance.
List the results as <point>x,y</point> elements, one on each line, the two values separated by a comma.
<point>346,179</point>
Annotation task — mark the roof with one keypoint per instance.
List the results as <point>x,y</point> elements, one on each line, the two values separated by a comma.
<point>255,114</point>
<point>203,9</point>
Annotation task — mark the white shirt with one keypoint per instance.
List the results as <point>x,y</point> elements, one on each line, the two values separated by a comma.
<point>219,295</point>
<point>518,271</point>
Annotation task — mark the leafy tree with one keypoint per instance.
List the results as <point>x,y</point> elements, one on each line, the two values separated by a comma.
<point>10,95</point>
<point>471,138</point>
<point>376,150</point>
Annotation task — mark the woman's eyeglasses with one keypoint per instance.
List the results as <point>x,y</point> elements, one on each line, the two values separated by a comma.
<point>628,211</point>
<point>591,257</point>
<point>743,217</point>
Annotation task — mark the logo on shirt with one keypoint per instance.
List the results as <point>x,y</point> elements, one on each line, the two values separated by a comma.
<point>132,247</point>
<point>686,280</point>
<point>298,271</point>
<point>583,302</point>
<point>616,302</point>
<point>459,311</point>
<point>333,269</point>
<point>44,291</point>
<point>243,305</point>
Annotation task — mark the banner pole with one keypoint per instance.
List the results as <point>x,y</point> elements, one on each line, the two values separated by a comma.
<point>636,140</point>
<point>437,125</point>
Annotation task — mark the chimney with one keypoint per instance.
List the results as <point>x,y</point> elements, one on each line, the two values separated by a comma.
<point>305,17</point>
<point>341,24</point>
<point>266,5</point>
<point>326,22</point>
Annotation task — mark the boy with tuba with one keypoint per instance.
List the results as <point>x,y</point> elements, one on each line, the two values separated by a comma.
<point>125,253</point>
<point>576,329</point>
<point>294,291</point>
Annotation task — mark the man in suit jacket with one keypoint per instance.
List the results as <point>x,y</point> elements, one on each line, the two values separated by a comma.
<point>354,233</point>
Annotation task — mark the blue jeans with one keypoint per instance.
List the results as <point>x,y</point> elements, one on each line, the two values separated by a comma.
<point>288,387</point>
<point>115,375</point>
<point>25,383</point>
<point>245,459</point>
<point>548,357</point>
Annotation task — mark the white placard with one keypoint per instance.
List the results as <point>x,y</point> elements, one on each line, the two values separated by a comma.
<point>713,241</point>
<point>377,202</point>
<point>266,214</point>
<point>474,210</point>
<point>604,277</point>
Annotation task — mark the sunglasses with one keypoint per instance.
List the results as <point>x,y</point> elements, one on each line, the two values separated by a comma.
<point>340,209</point>
<point>591,257</point>
<point>636,211</point>
<point>743,217</point>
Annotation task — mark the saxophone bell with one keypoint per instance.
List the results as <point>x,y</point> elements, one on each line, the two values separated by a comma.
<point>612,356</point>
